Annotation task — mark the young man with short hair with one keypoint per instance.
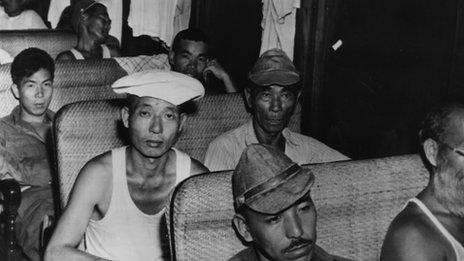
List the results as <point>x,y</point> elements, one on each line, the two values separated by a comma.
<point>274,210</point>
<point>190,55</point>
<point>272,97</point>
<point>25,144</point>
<point>119,198</point>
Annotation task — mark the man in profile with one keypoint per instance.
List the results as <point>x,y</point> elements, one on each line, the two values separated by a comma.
<point>272,96</point>
<point>190,55</point>
<point>431,225</point>
<point>274,210</point>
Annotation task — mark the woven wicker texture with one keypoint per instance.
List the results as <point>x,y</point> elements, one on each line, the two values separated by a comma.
<point>86,129</point>
<point>355,200</point>
<point>51,41</point>
<point>74,81</point>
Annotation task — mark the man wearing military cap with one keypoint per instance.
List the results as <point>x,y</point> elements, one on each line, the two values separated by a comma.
<point>118,200</point>
<point>274,210</point>
<point>272,96</point>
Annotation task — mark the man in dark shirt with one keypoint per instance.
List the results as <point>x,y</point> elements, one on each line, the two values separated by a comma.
<point>274,210</point>
<point>24,144</point>
<point>190,54</point>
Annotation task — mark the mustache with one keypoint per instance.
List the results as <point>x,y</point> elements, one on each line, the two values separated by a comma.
<point>296,243</point>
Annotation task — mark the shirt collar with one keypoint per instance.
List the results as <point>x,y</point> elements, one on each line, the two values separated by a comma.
<point>250,135</point>
<point>15,115</point>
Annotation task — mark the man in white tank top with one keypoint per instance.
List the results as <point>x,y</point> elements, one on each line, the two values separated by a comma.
<point>91,23</point>
<point>118,201</point>
<point>431,225</point>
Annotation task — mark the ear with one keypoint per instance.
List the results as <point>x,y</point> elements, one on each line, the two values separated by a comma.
<point>15,90</point>
<point>430,147</point>
<point>242,227</point>
<point>171,56</point>
<point>248,98</point>
<point>125,116</point>
<point>182,119</point>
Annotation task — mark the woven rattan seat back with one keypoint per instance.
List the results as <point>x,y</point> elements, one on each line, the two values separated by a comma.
<point>51,41</point>
<point>74,81</point>
<point>85,129</point>
<point>355,201</point>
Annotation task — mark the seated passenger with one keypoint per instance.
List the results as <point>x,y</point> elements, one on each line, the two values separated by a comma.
<point>190,54</point>
<point>25,144</point>
<point>272,96</point>
<point>274,210</point>
<point>430,227</point>
<point>91,23</point>
<point>118,201</point>
<point>14,15</point>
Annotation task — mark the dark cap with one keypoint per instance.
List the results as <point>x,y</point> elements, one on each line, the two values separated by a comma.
<point>274,67</point>
<point>267,181</point>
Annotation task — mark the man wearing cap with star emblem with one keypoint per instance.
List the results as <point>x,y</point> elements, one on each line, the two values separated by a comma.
<point>275,214</point>
<point>119,198</point>
<point>272,96</point>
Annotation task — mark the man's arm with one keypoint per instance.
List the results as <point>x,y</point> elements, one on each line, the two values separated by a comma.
<point>87,193</point>
<point>215,68</point>
<point>412,242</point>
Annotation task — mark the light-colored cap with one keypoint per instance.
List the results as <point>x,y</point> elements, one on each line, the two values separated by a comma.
<point>173,87</point>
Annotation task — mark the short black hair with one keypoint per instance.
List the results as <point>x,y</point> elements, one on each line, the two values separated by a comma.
<point>30,61</point>
<point>191,34</point>
<point>437,122</point>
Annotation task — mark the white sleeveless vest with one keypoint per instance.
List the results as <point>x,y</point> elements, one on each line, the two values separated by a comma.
<point>79,56</point>
<point>458,248</point>
<point>125,233</point>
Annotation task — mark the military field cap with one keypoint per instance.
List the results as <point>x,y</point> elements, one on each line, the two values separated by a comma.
<point>274,67</point>
<point>267,181</point>
<point>78,9</point>
<point>173,87</point>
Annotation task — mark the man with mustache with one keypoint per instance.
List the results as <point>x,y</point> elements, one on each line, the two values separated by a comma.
<point>274,210</point>
<point>431,225</point>
<point>272,96</point>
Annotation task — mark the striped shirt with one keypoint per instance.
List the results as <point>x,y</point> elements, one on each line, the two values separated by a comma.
<point>224,152</point>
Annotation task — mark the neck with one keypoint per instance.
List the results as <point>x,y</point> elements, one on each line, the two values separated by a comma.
<point>273,139</point>
<point>24,116</point>
<point>144,166</point>
<point>453,222</point>
<point>87,44</point>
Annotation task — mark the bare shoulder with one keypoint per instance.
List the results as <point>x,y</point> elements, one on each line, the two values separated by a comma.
<point>65,56</point>
<point>411,236</point>
<point>95,173</point>
<point>197,167</point>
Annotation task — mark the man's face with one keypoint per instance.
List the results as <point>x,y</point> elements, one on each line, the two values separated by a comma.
<point>288,235</point>
<point>153,125</point>
<point>449,176</point>
<point>99,24</point>
<point>272,107</point>
<point>12,7</point>
<point>34,93</point>
<point>190,58</point>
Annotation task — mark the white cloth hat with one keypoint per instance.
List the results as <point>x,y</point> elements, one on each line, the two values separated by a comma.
<point>173,87</point>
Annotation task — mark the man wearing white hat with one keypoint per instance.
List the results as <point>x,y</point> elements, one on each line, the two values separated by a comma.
<point>118,201</point>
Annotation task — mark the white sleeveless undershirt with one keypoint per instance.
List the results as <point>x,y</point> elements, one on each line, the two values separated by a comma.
<point>458,248</point>
<point>125,233</point>
<point>78,55</point>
